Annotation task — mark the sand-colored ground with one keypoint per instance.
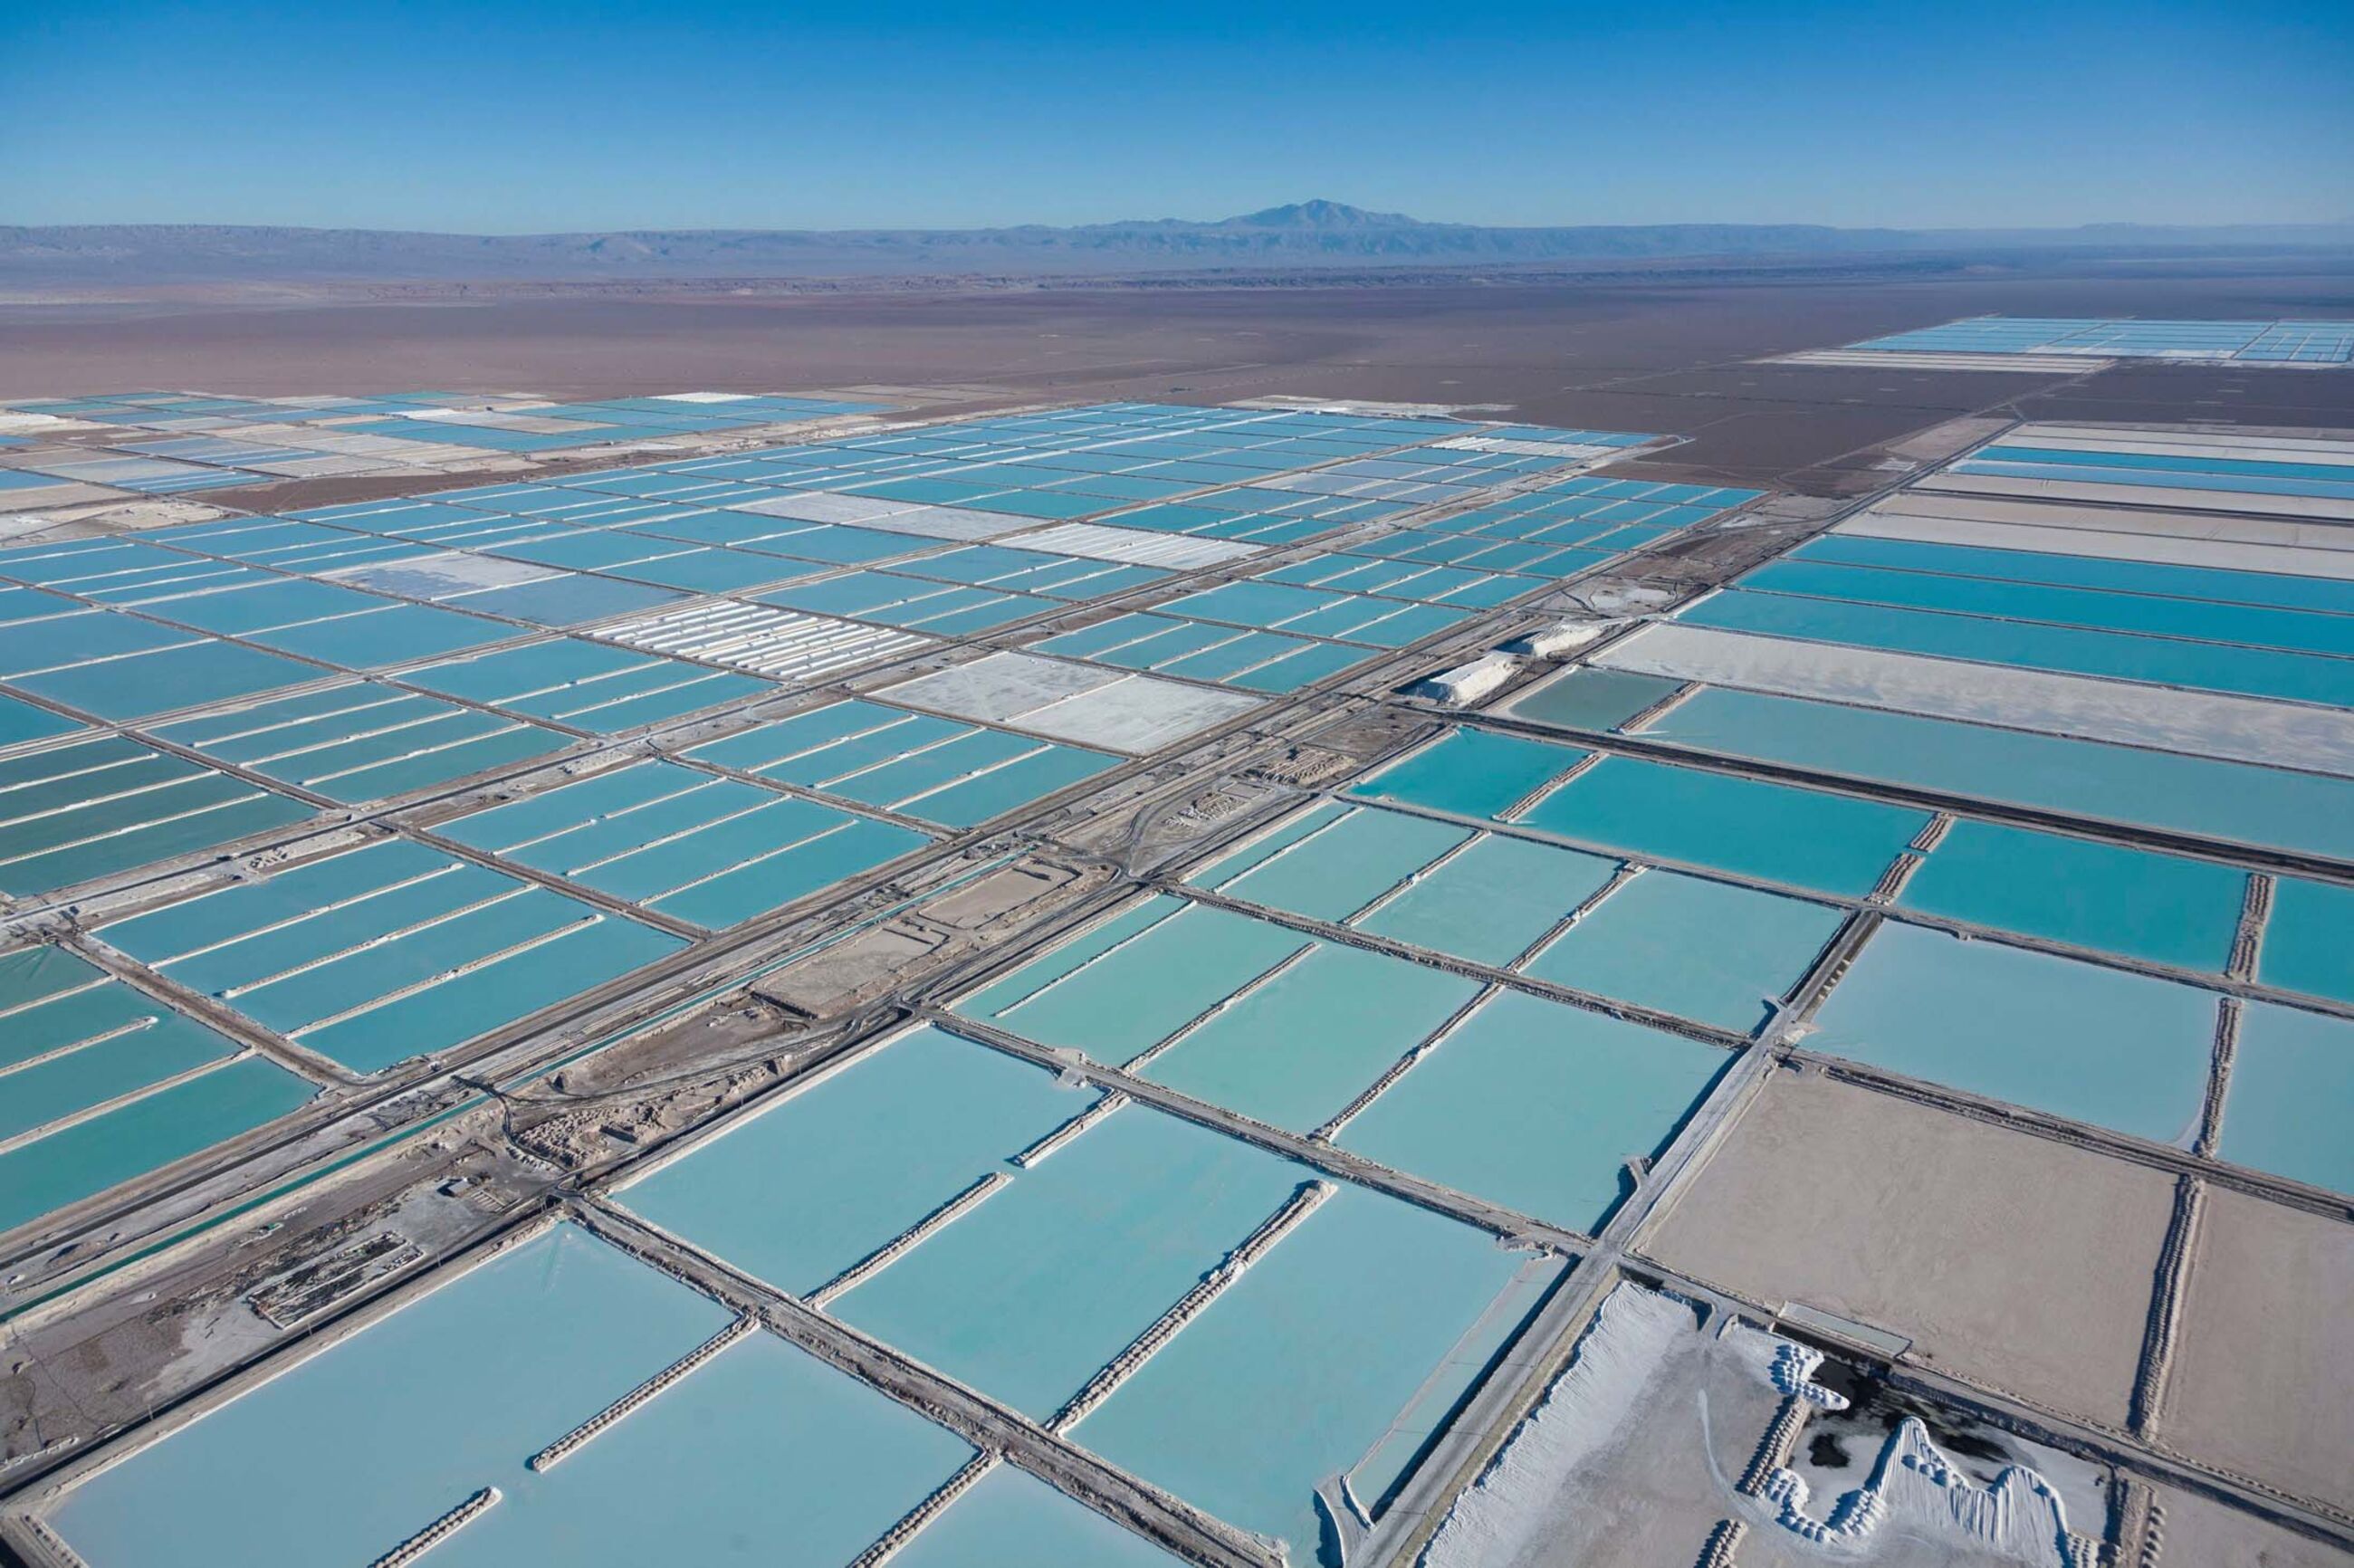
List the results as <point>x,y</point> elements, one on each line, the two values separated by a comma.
<point>2010,1260</point>
<point>2195,1532</point>
<point>2263,1380</point>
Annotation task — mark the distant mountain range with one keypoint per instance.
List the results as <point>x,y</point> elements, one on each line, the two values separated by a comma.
<point>1312,234</point>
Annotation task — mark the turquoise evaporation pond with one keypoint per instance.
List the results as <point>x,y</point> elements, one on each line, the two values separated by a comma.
<point>2215,667</point>
<point>693,845</point>
<point>2212,584</point>
<point>1030,1294</point>
<point>1701,950</point>
<point>1135,979</point>
<point>2162,908</point>
<point>1803,837</point>
<point>2291,1096</point>
<point>802,1189</point>
<point>1536,1106</point>
<point>105,1040</point>
<point>343,1457</point>
<point>2115,783</point>
<point>1470,773</point>
<point>2307,946</point>
<point>358,956</point>
<point>2100,1046</point>
<point>2258,626</point>
<point>1299,1367</point>
<point>1013,1519</point>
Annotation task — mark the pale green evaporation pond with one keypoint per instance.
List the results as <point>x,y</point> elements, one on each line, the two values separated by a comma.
<point>2123,1051</point>
<point>341,1458</point>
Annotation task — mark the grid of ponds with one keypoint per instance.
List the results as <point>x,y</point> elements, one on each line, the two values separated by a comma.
<point>762,1441</point>
<point>1530,1103</point>
<point>102,1083</point>
<point>191,442</point>
<point>2190,672</point>
<point>1365,1317</point>
<point>2308,343</point>
<point>207,690</point>
<point>378,954</point>
<point>935,769</point>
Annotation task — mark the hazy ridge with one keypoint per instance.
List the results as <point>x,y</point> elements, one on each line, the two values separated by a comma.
<point>1319,234</point>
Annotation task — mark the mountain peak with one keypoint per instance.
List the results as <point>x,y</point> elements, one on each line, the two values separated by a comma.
<point>1321,214</point>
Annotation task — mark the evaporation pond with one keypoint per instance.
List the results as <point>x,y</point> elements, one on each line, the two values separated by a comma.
<point>2157,906</point>
<point>2292,1085</point>
<point>1333,860</point>
<point>2117,1050</point>
<point>1537,1106</point>
<point>1470,773</point>
<point>761,1453</point>
<point>1337,1328</point>
<point>800,1190</point>
<point>1295,1051</point>
<point>1135,979</point>
<point>1027,1296</point>
<point>1492,902</point>
<point>1701,950</point>
<point>1803,837</point>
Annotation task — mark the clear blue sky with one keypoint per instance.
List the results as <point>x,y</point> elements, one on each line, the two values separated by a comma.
<point>519,115</point>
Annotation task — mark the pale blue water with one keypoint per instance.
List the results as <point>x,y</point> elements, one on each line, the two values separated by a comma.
<point>2157,906</point>
<point>370,998</point>
<point>1701,950</point>
<point>2307,943</point>
<point>766,1455</point>
<point>2115,783</point>
<point>1339,864</point>
<point>1032,978</point>
<point>1804,837</point>
<point>1136,994</point>
<point>353,1451</point>
<point>2117,1050</point>
<point>1030,1295</point>
<point>1300,1048</point>
<point>1492,901</point>
<point>1591,699</point>
<point>2291,1092</point>
<point>1391,1458</point>
<point>106,1070</point>
<point>1012,1520</point>
<point>799,1192</point>
<point>1537,1104</point>
<point>1294,1372</point>
<point>1470,773</point>
<point>146,1135</point>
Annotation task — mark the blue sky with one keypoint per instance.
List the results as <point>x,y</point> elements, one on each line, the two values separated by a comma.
<point>520,116</point>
